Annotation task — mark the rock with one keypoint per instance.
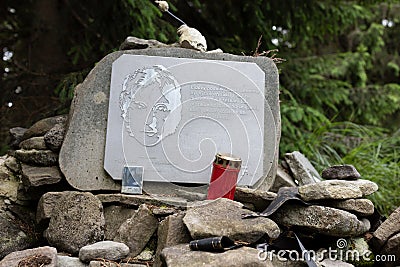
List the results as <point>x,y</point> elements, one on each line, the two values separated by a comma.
<point>361,206</point>
<point>33,143</point>
<point>137,43</point>
<point>136,200</point>
<point>9,185</point>
<point>128,232</point>
<point>14,235</point>
<point>82,152</point>
<point>282,179</point>
<point>391,251</point>
<point>37,157</point>
<point>40,176</point>
<point>191,38</point>
<point>319,219</point>
<point>42,256</point>
<point>337,189</point>
<point>260,199</point>
<point>145,255</point>
<point>45,206</point>
<point>65,261</point>
<point>302,169</point>
<point>163,212</point>
<point>55,137</point>
<point>12,164</point>
<point>387,229</point>
<point>16,134</point>
<point>182,256</point>
<point>211,218</point>
<point>108,250</point>
<point>171,232</point>
<point>114,217</point>
<point>113,264</point>
<point>76,221</point>
<point>41,127</point>
<point>341,172</point>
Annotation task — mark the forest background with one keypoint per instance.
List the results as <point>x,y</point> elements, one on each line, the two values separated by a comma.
<point>339,81</point>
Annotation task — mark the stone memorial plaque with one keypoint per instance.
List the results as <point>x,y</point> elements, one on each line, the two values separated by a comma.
<point>172,115</point>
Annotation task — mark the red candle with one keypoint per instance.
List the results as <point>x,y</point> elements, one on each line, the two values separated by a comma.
<point>224,176</point>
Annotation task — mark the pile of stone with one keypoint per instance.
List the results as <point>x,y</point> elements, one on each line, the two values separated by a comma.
<point>83,229</point>
<point>47,218</point>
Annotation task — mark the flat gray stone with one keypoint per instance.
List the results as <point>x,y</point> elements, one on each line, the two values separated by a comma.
<point>302,169</point>
<point>319,219</point>
<point>361,206</point>
<point>55,137</point>
<point>337,189</point>
<point>137,200</point>
<point>34,143</point>
<point>223,217</point>
<point>45,206</point>
<point>39,176</point>
<point>42,256</point>
<point>41,127</point>
<point>114,217</point>
<point>76,221</point>
<point>66,261</point>
<point>108,250</point>
<point>13,237</point>
<point>260,199</point>
<point>391,249</point>
<point>171,231</point>
<point>82,153</point>
<point>9,184</point>
<point>37,157</point>
<point>128,232</point>
<point>387,229</point>
<point>182,256</point>
<point>282,179</point>
<point>341,172</point>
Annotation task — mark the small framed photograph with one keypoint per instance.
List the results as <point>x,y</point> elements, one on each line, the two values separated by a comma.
<point>132,180</point>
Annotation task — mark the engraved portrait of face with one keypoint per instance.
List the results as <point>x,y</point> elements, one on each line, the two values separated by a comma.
<point>150,104</point>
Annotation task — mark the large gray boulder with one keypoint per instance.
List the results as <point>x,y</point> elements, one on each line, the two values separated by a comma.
<point>223,217</point>
<point>82,152</point>
<point>77,220</point>
<point>320,219</point>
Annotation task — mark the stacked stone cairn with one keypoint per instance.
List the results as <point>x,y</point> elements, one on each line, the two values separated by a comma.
<point>43,221</point>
